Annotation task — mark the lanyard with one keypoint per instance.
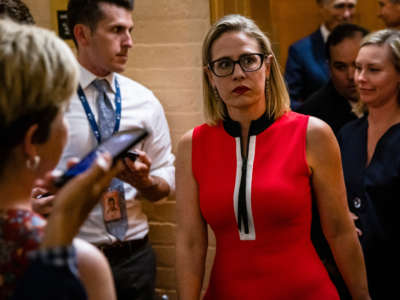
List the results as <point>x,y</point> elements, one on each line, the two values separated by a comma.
<point>90,116</point>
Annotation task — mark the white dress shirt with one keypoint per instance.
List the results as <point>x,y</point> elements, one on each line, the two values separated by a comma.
<point>324,32</point>
<point>140,109</point>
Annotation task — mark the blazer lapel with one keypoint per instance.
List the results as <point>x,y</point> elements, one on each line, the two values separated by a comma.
<point>318,48</point>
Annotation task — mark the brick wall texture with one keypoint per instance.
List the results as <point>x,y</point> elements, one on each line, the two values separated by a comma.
<point>166,58</point>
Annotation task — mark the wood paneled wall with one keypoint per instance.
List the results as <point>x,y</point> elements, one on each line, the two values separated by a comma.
<point>286,21</point>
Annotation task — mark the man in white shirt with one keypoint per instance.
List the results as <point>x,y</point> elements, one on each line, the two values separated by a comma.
<point>102,33</point>
<point>306,66</point>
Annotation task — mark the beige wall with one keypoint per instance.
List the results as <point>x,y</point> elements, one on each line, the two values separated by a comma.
<point>40,10</point>
<point>166,57</point>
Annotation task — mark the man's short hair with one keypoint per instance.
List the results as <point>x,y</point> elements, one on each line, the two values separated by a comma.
<point>341,32</point>
<point>324,2</point>
<point>17,11</point>
<point>88,12</point>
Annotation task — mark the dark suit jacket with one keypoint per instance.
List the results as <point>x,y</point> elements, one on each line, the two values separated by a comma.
<point>328,105</point>
<point>306,67</point>
<point>48,282</point>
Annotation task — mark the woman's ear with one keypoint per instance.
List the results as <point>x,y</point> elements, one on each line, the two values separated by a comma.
<point>30,148</point>
<point>268,61</point>
<point>210,77</point>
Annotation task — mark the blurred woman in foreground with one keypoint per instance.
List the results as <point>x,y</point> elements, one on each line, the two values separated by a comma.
<point>38,74</point>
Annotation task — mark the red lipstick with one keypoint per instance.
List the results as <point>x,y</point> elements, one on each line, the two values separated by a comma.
<point>241,89</point>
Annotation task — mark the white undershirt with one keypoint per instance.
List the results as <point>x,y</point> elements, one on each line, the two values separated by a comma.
<point>325,32</point>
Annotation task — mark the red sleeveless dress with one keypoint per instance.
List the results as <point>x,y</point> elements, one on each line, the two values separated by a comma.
<point>259,208</point>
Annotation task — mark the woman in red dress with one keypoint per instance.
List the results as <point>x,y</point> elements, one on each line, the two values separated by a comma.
<point>250,173</point>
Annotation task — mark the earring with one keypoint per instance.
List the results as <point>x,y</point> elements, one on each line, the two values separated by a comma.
<point>216,94</point>
<point>33,164</point>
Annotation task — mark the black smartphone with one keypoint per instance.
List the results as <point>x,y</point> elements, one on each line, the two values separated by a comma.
<point>117,145</point>
<point>132,155</point>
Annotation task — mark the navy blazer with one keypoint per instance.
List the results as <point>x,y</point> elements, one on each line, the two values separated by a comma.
<point>48,282</point>
<point>306,67</point>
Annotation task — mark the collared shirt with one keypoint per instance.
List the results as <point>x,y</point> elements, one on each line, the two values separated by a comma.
<point>140,109</point>
<point>325,32</point>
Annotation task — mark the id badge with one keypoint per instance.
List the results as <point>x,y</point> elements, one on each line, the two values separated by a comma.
<point>111,208</point>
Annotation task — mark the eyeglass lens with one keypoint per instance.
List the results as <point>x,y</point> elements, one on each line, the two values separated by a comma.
<point>248,63</point>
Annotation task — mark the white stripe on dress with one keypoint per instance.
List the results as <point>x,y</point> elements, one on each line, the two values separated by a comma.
<point>249,176</point>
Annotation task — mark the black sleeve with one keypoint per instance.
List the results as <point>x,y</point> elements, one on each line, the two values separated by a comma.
<point>47,279</point>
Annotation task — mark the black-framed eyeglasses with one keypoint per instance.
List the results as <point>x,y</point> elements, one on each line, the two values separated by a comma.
<point>225,66</point>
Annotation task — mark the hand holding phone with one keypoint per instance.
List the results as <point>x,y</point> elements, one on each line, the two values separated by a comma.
<point>132,155</point>
<point>117,145</point>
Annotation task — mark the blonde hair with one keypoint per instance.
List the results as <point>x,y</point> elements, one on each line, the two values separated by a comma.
<point>17,11</point>
<point>38,73</point>
<point>390,37</point>
<point>277,97</point>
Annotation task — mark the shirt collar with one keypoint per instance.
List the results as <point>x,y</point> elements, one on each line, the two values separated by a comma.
<point>325,32</point>
<point>87,78</point>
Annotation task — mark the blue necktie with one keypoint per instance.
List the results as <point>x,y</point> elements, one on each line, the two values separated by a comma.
<point>106,124</point>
